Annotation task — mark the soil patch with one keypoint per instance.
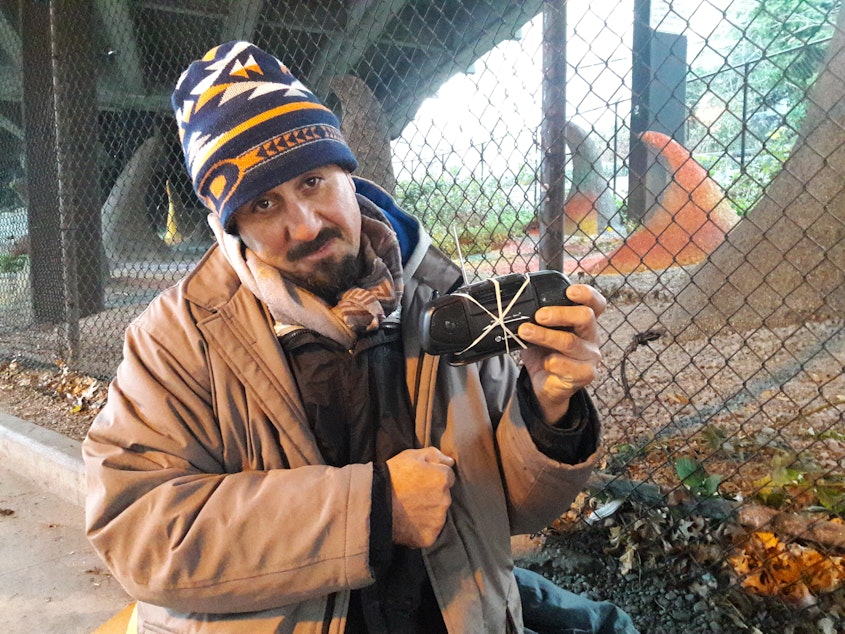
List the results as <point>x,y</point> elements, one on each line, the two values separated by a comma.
<point>53,397</point>
<point>761,412</point>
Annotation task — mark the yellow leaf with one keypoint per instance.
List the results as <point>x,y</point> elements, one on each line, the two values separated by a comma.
<point>627,560</point>
<point>768,540</point>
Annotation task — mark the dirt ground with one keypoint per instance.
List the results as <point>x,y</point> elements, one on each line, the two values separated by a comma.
<point>759,413</point>
<point>51,396</point>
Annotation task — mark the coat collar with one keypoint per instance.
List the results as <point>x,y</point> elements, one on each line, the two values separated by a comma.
<point>239,328</point>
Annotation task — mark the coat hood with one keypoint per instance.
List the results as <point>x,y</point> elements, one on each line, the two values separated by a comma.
<point>413,240</point>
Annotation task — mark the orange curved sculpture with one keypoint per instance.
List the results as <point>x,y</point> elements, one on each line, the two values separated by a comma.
<point>589,207</point>
<point>580,215</point>
<point>683,228</point>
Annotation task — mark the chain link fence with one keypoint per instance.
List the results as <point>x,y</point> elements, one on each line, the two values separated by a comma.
<point>684,157</point>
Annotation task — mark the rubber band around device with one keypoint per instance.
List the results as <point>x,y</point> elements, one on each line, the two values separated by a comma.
<point>498,321</point>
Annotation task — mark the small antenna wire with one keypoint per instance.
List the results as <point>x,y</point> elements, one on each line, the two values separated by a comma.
<point>460,254</point>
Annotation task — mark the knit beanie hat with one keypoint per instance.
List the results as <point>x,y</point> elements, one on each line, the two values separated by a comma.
<point>248,125</point>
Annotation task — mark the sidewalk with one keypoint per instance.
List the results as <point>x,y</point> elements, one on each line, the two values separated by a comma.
<point>50,578</point>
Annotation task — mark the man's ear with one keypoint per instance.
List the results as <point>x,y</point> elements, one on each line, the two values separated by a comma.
<point>351,182</point>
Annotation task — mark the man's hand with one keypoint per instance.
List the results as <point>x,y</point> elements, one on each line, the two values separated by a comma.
<point>562,362</point>
<point>421,480</point>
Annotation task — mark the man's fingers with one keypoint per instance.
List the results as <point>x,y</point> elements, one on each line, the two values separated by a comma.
<point>578,317</point>
<point>434,455</point>
<point>421,480</point>
<point>587,296</point>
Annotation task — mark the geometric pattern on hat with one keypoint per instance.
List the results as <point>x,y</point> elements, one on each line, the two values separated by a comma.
<point>224,177</point>
<point>247,125</point>
<point>228,78</point>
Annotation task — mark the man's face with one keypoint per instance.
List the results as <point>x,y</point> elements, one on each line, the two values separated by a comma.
<point>309,228</point>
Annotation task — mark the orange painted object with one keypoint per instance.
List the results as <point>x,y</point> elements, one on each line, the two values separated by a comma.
<point>683,228</point>
<point>580,214</point>
<point>124,622</point>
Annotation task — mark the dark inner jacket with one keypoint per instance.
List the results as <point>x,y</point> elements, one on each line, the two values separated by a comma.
<point>359,410</point>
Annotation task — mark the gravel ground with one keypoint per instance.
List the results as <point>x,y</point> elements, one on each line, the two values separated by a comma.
<point>669,573</point>
<point>675,579</point>
<point>671,587</point>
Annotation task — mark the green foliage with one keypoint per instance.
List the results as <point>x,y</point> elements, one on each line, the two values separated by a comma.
<point>834,434</point>
<point>782,24</point>
<point>12,263</point>
<point>786,479</point>
<point>485,213</point>
<point>831,494</point>
<point>695,478</point>
<point>621,455</point>
<point>746,189</point>
<point>748,111</point>
<point>790,479</point>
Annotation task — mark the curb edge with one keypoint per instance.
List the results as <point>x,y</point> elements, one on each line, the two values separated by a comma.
<point>47,458</point>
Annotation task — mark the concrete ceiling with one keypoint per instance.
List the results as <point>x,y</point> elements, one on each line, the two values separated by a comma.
<point>404,50</point>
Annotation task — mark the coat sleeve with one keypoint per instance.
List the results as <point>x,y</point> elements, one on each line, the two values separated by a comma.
<point>177,530</point>
<point>538,488</point>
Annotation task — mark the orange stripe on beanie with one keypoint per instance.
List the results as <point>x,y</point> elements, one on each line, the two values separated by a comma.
<point>247,125</point>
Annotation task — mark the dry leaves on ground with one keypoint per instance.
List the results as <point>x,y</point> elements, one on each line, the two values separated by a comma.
<point>766,565</point>
<point>54,397</point>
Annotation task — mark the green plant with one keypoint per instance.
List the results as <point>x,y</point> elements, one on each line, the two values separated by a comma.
<point>484,212</point>
<point>621,455</point>
<point>749,101</point>
<point>777,488</point>
<point>12,263</point>
<point>791,482</point>
<point>695,478</point>
<point>831,494</point>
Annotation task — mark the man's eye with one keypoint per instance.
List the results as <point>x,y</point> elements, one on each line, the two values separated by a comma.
<point>312,181</point>
<point>262,204</point>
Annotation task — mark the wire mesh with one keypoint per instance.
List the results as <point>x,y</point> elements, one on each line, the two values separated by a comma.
<point>702,165</point>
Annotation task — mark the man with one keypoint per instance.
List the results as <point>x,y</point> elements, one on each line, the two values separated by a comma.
<point>277,453</point>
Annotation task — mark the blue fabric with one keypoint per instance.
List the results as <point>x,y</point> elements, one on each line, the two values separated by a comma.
<point>549,609</point>
<point>405,225</point>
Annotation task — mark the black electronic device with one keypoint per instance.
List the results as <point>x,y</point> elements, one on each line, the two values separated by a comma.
<point>480,320</point>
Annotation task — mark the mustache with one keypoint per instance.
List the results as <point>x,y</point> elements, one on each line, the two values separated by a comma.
<point>307,248</point>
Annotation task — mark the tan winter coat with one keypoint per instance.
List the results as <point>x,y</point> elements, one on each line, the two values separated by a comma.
<point>207,493</point>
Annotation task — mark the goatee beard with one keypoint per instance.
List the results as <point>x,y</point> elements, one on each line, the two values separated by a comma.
<point>333,278</point>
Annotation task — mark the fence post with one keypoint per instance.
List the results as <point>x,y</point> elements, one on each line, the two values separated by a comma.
<point>553,145</point>
<point>640,115</point>
<point>744,127</point>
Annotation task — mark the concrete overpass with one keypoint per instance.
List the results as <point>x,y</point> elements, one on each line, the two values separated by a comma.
<point>84,83</point>
<point>403,50</point>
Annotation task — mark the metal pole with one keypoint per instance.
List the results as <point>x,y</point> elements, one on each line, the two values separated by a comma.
<point>615,147</point>
<point>553,145</point>
<point>640,109</point>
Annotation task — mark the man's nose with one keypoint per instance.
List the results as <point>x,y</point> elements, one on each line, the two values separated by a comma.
<point>303,222</point>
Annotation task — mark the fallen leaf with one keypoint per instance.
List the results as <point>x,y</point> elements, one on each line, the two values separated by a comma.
<point>797,573</point>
